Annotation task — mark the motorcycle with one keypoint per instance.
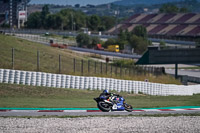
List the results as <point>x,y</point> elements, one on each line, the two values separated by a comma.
<point>114,103</point>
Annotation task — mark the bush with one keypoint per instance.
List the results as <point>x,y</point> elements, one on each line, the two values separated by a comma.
<point>83,40</point>
<point>139,44</point>
<point>110,41</point>
<point>123,63</point>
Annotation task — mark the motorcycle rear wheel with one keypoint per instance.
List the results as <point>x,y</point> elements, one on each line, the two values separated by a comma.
<point>105,107</point>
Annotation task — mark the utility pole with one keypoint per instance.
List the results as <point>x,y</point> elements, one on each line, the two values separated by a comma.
<point>116,16</point>
<point>72,21</point>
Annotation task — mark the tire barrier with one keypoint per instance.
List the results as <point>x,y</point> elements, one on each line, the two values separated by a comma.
<point>38,78</point>
<point>6,76</point>
<point>28,78</point>
<point>11,76</point>
<point>1,75</point>
<point>58,81</point>
<point>17,77</point>
<point>63,81</point>
<point>67,83</point>
<point>22,77</point>
<point>48,80</point>
<point>33,79</point>
<point>53,80</point>
<point>94,83</point>
<point>43,79</point>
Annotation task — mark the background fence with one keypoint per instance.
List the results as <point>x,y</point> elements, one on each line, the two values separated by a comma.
<point>94,83</point>
<point>68,63</point>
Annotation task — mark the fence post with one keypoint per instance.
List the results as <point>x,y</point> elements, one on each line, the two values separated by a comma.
<point>111,70</point>
<point>95,67</point>
<point>116,70</point>
<point>176,71</point>
<point>106,68</point>
<point>133,70</point>
<point>59,63</point>
<point>120,70</point>
<point>74,65</point>
<point>88,66</point>
<point>82,67</point>
<point>13,56</point>
<point>38,60</point>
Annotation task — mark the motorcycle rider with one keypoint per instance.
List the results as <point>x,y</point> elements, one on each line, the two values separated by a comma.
<point>107,95</point>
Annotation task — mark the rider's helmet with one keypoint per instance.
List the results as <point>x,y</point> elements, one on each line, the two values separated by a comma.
<point>105,91</point>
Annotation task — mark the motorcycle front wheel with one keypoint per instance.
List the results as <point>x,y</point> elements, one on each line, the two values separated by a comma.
<point>105,107</point>
<point>128,107</point>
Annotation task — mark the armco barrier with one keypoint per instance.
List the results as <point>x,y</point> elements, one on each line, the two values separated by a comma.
<point>94,83</point>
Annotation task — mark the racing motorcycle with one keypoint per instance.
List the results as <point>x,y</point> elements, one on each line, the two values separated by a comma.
<point>114,103</point>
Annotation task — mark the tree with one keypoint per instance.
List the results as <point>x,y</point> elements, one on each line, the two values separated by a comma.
<point>122,35</point>
<point>140,31</point>
<point>183,10</point>
<point>139,44</point>
<point>43,15</point>
<point>169,8</point>
<point>34,20</point>
<point>94,22</point>
<point>66,15</point>
<point>68,19</point>
<point>110,41</point>
<point>123,38</point>
<point>83,40</point>
<point>95,41</point>
<point>77,5</point>
<point>79,20</point>
<point>108,22</point>
<point>162,44</point>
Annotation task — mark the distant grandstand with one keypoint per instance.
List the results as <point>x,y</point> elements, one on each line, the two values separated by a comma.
<point>164,25</point>
<point>9,10</point>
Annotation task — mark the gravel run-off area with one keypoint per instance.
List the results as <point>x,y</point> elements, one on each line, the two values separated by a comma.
<point>180,124</point>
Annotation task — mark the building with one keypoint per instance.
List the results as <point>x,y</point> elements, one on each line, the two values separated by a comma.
<point>163,25</point>
<point>13,12</point>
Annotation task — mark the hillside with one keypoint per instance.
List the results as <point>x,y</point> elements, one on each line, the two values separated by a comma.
<point>144,2</point>
<point>25,58</point>
<point>26,55</point>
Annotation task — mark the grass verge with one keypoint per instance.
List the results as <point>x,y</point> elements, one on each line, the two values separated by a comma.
<point>22,96</point>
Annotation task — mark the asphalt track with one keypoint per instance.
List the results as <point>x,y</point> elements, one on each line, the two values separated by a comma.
<point>95,111</point>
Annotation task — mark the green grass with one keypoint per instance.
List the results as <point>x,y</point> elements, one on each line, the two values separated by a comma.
<point>21,96</point>
<point>26,55</point>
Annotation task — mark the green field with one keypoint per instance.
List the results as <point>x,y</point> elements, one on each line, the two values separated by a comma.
<point>25,58</point>
<point>22,96</point>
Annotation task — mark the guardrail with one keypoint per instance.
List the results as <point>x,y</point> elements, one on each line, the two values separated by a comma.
<point>74,33</point>
<point>131,56</point>
<point>94,83</point>
<point>185,79</point>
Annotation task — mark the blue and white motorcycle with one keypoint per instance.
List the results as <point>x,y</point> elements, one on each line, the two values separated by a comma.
<point>113,103</point>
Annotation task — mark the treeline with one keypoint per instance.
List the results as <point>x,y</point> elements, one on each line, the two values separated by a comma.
<point>69,19</point>
<point>183,6</point>
<point>136,39</point>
